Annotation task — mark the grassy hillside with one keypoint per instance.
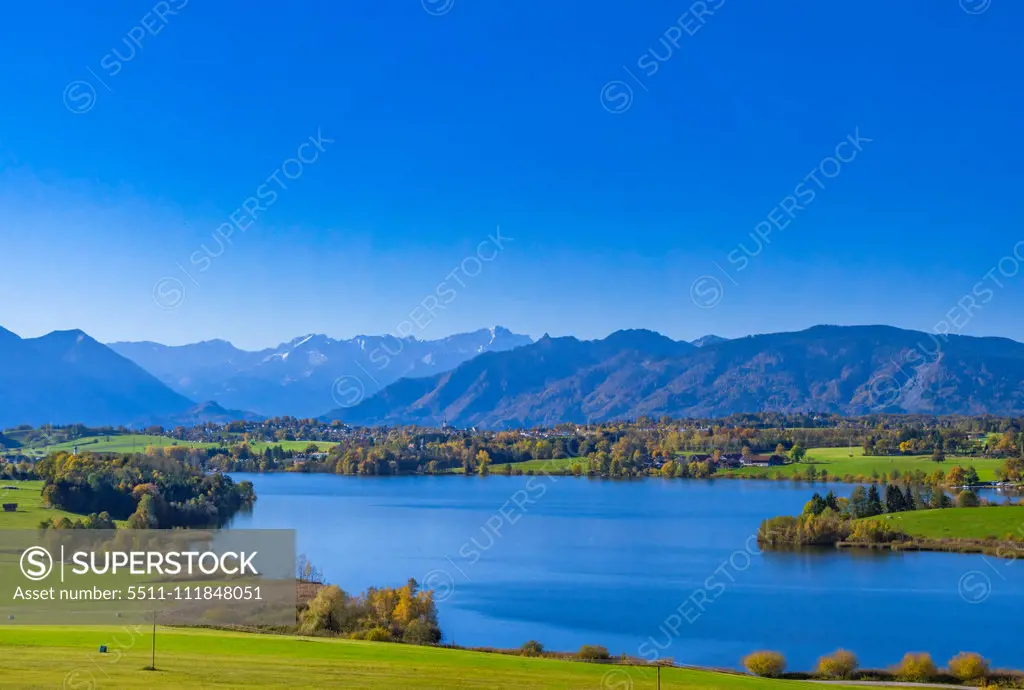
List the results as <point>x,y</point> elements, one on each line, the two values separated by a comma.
<point>137,443</point>
<point>68,657</point>
<point>30,506</point>
<point>838,462</point>
<point>109,444</point>
<point>961,523</point>
<point>536,466</point>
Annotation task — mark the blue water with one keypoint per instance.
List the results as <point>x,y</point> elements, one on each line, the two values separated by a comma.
<point>651,567</point>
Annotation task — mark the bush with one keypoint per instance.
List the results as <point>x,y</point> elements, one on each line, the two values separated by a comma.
<point>968,666</point>
<point>967,499</point>
<point>839,665</point>
<point>916,668</point>
<point>765,664</point>
<point>531,648</point>
<point>378,634</point>
<point>593,652</point>
<point>421,632</point>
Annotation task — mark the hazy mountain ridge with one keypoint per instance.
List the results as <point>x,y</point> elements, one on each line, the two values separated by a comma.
<point>298,377</point>
<point>843,369</point>
<point>492,378</point>
<point>66,377</point>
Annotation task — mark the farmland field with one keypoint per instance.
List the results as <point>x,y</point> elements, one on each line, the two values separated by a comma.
<point>68,657</point>
<point>112,444</point>
<point>295,446</point>
<point>960,523</point>
<point>30,505</point>
<point>137,443</point>
<point>536,466</point>
<point>838,461</point>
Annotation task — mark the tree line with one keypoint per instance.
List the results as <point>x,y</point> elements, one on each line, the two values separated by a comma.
<point>148,491</point>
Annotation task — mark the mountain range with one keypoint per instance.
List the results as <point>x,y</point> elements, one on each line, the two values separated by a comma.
<point>843,369</point>
<point>496,378</point>
<point>301,377</point>
<point>66,376</point>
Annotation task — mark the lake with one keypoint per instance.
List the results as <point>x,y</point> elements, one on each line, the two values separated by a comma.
<point>665,568</point>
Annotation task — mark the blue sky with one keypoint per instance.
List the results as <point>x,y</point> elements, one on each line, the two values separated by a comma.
<point>450,119</point>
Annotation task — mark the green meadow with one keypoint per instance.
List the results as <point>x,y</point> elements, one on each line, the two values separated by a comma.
<point>292,445</point>
<point>960,523</point>
<point>28,496</point>
<point>137,443</point>
<point>111,444</point>
<point>842,461</point>
<point>68,657</point>
<point>535,466</point>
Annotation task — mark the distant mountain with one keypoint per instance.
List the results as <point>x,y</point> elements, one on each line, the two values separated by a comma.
<point>707,340</point>
<point>303,377</point>
<point>67,377</point>
<point>847,370</point>
<point>205,412</point>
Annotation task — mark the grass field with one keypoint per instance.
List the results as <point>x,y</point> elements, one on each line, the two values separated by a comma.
<point>137,443</point>
<point>961,523</point>
<point>30,506</point>
<point>68,657</point>
<point>292,445</point>
<point>537,466</point>
<point>116,444</point>
<point>838,462</point>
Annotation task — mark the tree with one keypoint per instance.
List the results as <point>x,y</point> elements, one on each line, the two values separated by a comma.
<point>815,506</point>
<point>967,499</point>
<point>531,648</point>
<point>780,449</point>
<point>593,652</point>
<point>419,631</point>
<point>859,503</point>
<point>956,476</point>
<point>968,666</point>
<point>908,498</point>
<point>874,502</point>
<point>483,461</point>
<point>894,502</point>
<point>938,455</point>
<point>765,664</point>
<point>797,453</point>
<point>837,666</point>
<point>325,611</point>
<point>916,668</point>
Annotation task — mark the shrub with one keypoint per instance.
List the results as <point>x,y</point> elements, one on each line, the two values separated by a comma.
<point>765,664</point>
<point>967,499</point>
<point>968,666</point>
<point>916,668</point>
<point>593,652</point>
<point>378,634</point>
<point>421,632</point>
<point>531,648</point>
<point>840,664</point>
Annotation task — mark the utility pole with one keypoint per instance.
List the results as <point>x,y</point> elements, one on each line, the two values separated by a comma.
<point>659,676</point>
<point>152,662</point>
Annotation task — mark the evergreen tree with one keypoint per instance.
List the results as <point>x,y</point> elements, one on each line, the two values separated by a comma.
<point>859,502</point>
<point>815,506</point>
<point>874,506</point>
<point>908,499</point>
<point>919,502</point>
<point>893,499</point>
